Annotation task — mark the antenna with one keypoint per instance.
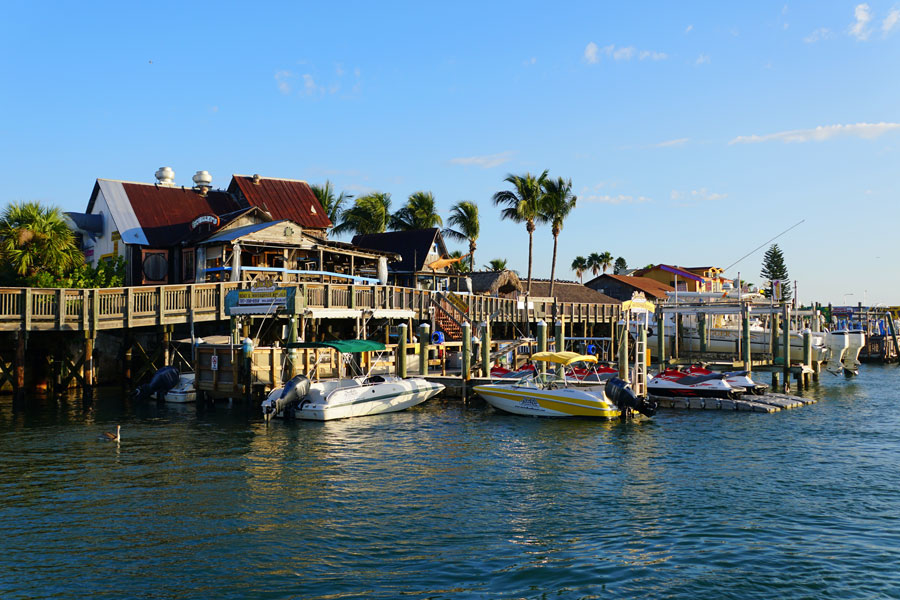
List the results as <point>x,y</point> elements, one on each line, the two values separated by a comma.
<point>763,244</point>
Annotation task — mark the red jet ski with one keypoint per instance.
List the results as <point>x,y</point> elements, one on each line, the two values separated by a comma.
<point>673,382</point>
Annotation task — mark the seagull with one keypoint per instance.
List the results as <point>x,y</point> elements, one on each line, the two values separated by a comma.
<point>109,437</point>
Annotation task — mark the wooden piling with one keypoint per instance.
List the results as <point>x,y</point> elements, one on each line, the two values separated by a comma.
<point>661,338</point>
<point>786,347</point>
<point>401,350</point>
<point>466,350</point>
<point>542,343</point>
<point>622,358</point>
<point>424,334</point>
<point>486,349</point>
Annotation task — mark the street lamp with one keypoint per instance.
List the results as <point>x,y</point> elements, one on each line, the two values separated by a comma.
<point>844,298</point>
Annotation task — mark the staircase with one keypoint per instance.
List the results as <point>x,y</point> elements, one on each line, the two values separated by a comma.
<point>448,317</point>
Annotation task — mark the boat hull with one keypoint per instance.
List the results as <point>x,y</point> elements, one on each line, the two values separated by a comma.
<point>365,400</point>
<point>566,402</point>
<point>183,392</point>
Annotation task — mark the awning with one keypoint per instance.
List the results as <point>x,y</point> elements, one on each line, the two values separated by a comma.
<point>343,346</point>
<point>563,358</point>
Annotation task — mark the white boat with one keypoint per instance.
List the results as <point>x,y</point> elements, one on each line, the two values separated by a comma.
<point>549,395</point>
<point>346,397</point>
<point>844,349</point>
<point>183,392</point>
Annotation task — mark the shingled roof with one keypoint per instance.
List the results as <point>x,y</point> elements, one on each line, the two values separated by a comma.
<point>568,291</point>
<point>651,288</point>
<point>413,246</point>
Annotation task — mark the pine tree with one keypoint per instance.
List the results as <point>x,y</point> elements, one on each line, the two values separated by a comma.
<point>774,269</point>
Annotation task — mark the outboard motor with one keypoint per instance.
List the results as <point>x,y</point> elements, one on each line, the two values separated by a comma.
<point>293,392</point>
<point>620,393</point>
<point>161,382</point>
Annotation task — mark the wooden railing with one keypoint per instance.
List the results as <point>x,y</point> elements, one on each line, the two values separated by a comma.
<point>34,309</point>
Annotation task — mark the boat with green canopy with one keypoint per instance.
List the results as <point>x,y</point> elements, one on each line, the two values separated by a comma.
<point>361,395</point>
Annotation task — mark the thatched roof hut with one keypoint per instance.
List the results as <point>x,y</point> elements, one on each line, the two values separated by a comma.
<point>495,283</point>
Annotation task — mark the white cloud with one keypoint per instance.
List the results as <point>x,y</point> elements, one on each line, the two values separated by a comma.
<point>310,87</point>
<point>530,61</point>
<point>863,16</point>
<point>703,59</point>
<point>821,133</point>
<point>689,29</point>
<point>822,33</point>
<point>593,53</point>
<point>282,80</point>
<point>485,162</point>
<point>704,194</point>
<point>670,143</point>
<point>890,21</point>
<point>675,195</point>
<point>620,199</point>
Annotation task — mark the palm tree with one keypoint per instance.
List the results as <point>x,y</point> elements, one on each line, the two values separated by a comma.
<point>594,263</point>
<point>420,212</point>
<point>496,264</point>
<point>580,265</point>
<point>331,204</point>
<point>558,202</point>
<point>606,259</point>
<point>464,218</point>
<point>35,238</point>
<point>522,205</point>
<point>369,214</point>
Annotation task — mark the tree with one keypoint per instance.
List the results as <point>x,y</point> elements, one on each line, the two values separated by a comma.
<point>496,264</point>
<point>774,269</point>
<point>557,203</point>
<point>522,205</point>
<point>594,263</point>
<point>620,266</point>
<point>464,226</point>
<point>369,214</point>
<point>580,265</point>
<point>35,239</point>
<point>331,204</point>
<point>420,212</point>
<point>606,259</point>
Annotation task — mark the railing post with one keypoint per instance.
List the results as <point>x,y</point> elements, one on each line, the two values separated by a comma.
<point>85,309</point>
<point>220,300</point>
<point>60,308</point>
<point>160,300</point>
<point>95,310</point>
<point>352,298</point>
<point>129,307</point>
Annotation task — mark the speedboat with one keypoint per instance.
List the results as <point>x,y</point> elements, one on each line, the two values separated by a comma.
<point>549,395</point>
<point>736,379</point>
<point>345,397</point>
<point>183,392</point>
<point>673,382</point>
<point>844,349</point>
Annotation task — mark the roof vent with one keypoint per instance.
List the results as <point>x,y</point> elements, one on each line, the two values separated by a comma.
<point>256,178</point>
<point>165,176</point>
<point>202,181</point>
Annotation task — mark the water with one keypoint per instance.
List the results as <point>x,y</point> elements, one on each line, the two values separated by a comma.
<point>453,501</point>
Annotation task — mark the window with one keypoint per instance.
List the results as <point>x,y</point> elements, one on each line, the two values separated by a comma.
<point>187,265</point>
<point>155,266</point>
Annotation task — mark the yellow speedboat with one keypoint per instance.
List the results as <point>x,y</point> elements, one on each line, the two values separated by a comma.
<point>549,395</point>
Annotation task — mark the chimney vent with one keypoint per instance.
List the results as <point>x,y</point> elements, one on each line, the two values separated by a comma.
<point>202,181</point>
<point>165,176</point>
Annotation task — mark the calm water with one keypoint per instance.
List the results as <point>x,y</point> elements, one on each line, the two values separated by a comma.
<point>453,500</point>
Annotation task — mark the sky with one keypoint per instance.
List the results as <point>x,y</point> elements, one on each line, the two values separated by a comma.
<point>693,132</point>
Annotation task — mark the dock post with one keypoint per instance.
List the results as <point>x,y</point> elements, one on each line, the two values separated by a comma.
<point>661,337</point>
<point>559,335</point>
<point>807,357</point>
<point>622,359</point>
<point>293,354</point>
<point>542,342</point>
<point>486,349</point>
<point>19,380</point>
<point>234,331</point>
<point>745,340</point>
<point>786,349</point>
<point>424,333</point>
<point>88,366</point>
<point>701,331</point>
<point>401,350</point>
<point>466,351</point>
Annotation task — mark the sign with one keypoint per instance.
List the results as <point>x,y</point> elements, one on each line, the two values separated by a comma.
<point>115,236</point>
<point>214,362</point>
<point>211,219</point>
<point>266,296</point>
<point>458,302</point>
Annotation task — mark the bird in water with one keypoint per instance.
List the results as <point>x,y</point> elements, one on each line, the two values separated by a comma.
<point>110,437</point>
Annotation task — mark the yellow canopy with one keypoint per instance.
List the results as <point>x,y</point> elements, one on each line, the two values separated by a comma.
<point>563,358</point>
<point>638,305</point>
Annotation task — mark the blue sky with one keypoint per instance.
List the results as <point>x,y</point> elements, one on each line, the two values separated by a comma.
<point>692,132</point>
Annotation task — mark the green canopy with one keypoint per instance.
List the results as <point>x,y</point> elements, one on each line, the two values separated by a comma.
<point>342,346</point>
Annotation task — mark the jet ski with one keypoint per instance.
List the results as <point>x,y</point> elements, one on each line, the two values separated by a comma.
<point>673,382</point>
<point>593,373</point>
<point>737,379</point>
<point>502,372</point>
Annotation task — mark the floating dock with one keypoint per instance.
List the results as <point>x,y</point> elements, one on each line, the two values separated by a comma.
<point>767,403</point>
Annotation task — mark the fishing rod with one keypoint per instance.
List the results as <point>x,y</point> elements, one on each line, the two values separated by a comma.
<point>763,244</point>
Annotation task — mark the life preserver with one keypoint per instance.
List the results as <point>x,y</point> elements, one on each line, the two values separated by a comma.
<point>591,349</point>
<point>437,337</point>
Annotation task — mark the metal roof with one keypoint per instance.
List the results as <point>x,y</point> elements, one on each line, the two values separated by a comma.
<point>231,235</point>
<point>283,199</point>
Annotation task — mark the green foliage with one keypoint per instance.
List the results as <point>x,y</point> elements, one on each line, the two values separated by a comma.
<point>580,265</point>
<point>420,212</point>
<point>774,269</point>
<point>460,266</point>
<point>108,273</point>
<point>35,239</point>
<point>369,214</point>
<point>496,264</point>
<point>556,205</point>
<point>620,266</point>
<point>523,205</point>
<point>331,203</point>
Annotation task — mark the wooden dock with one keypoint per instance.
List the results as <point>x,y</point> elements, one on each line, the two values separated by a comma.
<point>768,403</point>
